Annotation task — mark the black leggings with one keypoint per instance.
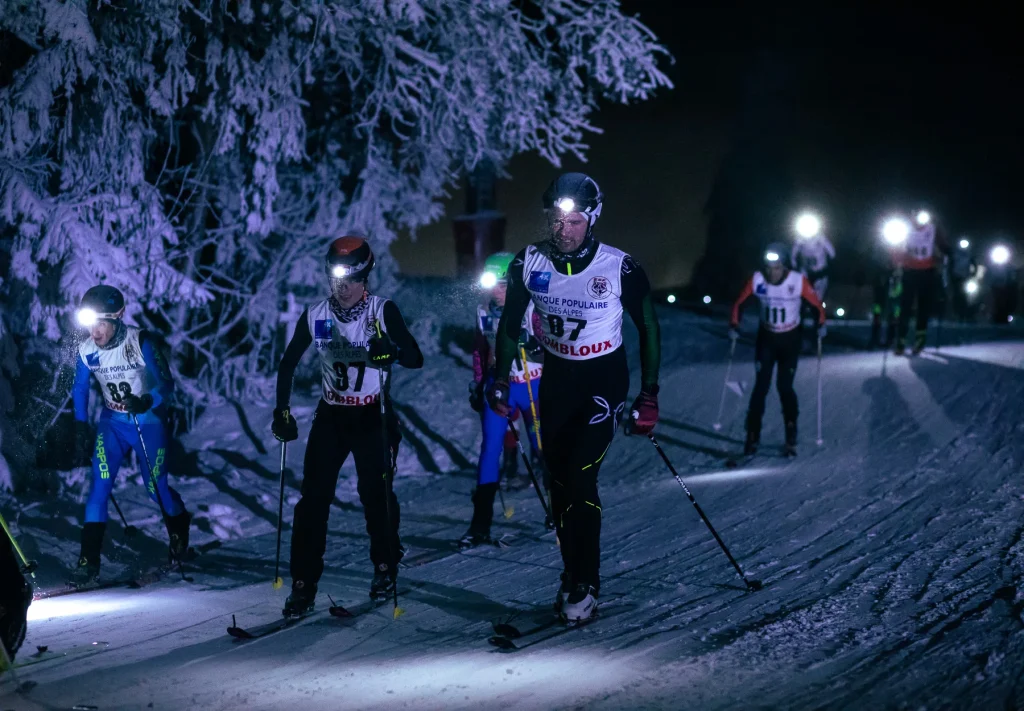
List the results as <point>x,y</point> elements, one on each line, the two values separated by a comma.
<point>919,284</point>
<point>771,349</point>
<point>582,404</point>
<point>338,431</point>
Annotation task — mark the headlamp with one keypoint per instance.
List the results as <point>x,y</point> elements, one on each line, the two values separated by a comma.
<point>488,280</point>
<point>964,244</point>
<point>895,231</point>
<point>1000,254</point>
<point>923,218</point>
<point>566,204</point>
<point>808,225</point>
<point>771,257</point>
<point>87,318</point>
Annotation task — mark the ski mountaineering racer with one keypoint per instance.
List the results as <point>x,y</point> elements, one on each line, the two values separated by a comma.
<point>781,292</point>
<point>813,254</point>
<point>136,382</point>
<point>920,262</point>
<point>579,287</point>
<point>524,392</point>
<point>357,336</point>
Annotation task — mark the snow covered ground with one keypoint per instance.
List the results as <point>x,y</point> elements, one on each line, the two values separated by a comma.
<point>891,557</point>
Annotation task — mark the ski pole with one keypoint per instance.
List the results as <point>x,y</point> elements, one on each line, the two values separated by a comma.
<point>27,566</point>
<point>388,474</point>
<point>156,492</point>
<point>752,584</point>
<point>536,426</point>
<point>278,581</point>
<point>728,372</point>
<point>533,477</point>
<point>820,440</point>
<point>129,531</point>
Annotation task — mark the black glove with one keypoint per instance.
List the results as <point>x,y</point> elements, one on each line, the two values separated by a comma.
<point>137,404</point>
<point>476,396</point>
<point>497,397</point>
<point>285,428</point>
<point>83,444</point>
<point>383,351</point>
<point>533,348</point>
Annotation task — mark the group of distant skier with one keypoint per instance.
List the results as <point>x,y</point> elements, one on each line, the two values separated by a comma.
<point>549,348</point>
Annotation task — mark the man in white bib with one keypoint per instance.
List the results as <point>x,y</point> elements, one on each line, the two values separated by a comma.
<point>919,259</point>
<point>135,381</point>
<point>781,293</point>
<point>357,336</point>
<point>579,288</point>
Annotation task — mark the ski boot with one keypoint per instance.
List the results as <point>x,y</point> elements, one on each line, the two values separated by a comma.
<point>581,605</point>
<point>177,531</point>
<point>383,583</point>
<point>901,347</point>
<point>564,590</point>
<point>472,540</point>
<point>919,343</point>
<point>753,440</point>
<point>301,601</point>
<point>790,447</point>
<point>87,571</point>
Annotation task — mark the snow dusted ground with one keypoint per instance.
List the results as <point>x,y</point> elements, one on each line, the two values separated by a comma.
<point>891,558</point>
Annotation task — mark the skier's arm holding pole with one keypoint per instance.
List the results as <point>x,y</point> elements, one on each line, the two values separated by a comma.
<point>517,299</point>
<point>284,426</point>
<point>409,354</point>
<point>637,302</point>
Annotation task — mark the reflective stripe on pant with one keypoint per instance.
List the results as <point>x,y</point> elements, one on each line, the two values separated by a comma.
<point>114,438</point>
<point>495,428</point>
<point>582,404</point>
<point>337,432</point>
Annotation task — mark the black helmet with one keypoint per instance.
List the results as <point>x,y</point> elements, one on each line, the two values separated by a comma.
<point>101,302</point>
<point>776,253</point>
<point>575,192</point>
<point>349,257</point>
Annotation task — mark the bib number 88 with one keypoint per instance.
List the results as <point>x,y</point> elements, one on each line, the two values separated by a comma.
<point>118,391</point>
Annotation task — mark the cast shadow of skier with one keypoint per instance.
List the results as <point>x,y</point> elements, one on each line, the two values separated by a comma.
<point>968,405</point>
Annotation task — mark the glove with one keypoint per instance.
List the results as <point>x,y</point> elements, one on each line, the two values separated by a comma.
<point>497,397</point>
<point>822,331</point>
<point>285,428</point>
<point>137,404</point>
<point>383,351</point>
<point>476,396</point>
<point>644,413</point>
<point>734,332</point>
<point>83,444</point>
<point>533,348</point>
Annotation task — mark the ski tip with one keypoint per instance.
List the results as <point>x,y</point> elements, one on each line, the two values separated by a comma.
<point>278,583</point>
<point>239,633</point>
<point>754,585</point>
<point>506,630</point>
<point>502,643</point>
<point>398,613</point>
<point>339,611</point>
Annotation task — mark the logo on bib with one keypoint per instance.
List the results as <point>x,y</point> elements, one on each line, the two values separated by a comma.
<point>92,360</point>
<point>370,329</point>
<point>598,288</point>
<point>322,329</point>
<point>792,289</point>
<point>539,282</point>
<point>761,289</point>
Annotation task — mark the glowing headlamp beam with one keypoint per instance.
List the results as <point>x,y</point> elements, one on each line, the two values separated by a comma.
<point>771,257</point>
<point>1000,254</point>
<point>87,317</point>
<point>488,280</point>
<point>895,231</point>
<point>808,225</point>
<point>566,204</point>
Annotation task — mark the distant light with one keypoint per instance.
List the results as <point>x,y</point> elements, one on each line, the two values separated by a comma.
<point>488,280</point>
<point>964,244</point>
<point>1009,319</point>
<point>923,218</point>
<point>840,312</point>
<point>771,257</point>
<point>808,225</point>
<point>566,204</point>
<point>707,299</point>
<point>895,231</point>
<point>971,287</point>
<point>671,298</point>
<point>1000,254</point>
<point>87,317</point>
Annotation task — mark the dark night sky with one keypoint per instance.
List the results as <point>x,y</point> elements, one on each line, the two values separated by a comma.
<point>877,108</point>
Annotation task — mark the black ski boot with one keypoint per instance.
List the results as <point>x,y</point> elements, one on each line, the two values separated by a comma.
<point>87,570</point>
<point>790,449</point>
<point>472,540</point>
<point>177,531</point>
<point>919,340</point>
<point>383,584</point>
<point>483,513</point>
<point>301,601</point>
<point>753,440</point>
<point>901,347</point>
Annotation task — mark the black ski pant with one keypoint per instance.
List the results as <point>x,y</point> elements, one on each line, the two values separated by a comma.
<point>337,432</point>
<point>582,402</point>
<point>920,285</point>
<point>15,597</point>
<point>771,350</point>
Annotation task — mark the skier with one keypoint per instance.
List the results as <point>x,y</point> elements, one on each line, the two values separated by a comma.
<point>886,287</point>
<point>15,597</point>
<point>136,383</point>
<point>813,254</point>
<point>579,287</point>
<point>357,336</point>
<point>921,280</point>
<point>780,291</point>
<point>524,387</point>
<point>962,267</point>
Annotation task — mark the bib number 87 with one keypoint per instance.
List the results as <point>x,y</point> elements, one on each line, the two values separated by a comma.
<point>556,326</point>
<point>341,383</point>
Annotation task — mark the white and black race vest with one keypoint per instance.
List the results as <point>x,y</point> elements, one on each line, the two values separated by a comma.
<point>581,314</point>
<point>812,255</point>
<point>780,303</point>
<point>120,370</point>
<point>921,242</point>
<point>488,325</point>
<point>347,379</point>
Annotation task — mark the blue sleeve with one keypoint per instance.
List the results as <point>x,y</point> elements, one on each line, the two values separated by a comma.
<point>80,390</point>
<point>157,368</point>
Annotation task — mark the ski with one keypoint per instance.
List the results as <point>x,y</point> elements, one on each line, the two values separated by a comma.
<point>334,610</point>
<point>133,583</point>
<point>507,637</point>
<point>45,654</point>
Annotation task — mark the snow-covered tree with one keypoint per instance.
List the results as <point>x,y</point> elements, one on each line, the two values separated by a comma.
<point>199,154</point>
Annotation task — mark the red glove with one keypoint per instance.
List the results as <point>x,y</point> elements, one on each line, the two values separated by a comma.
<point>644,413</point>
